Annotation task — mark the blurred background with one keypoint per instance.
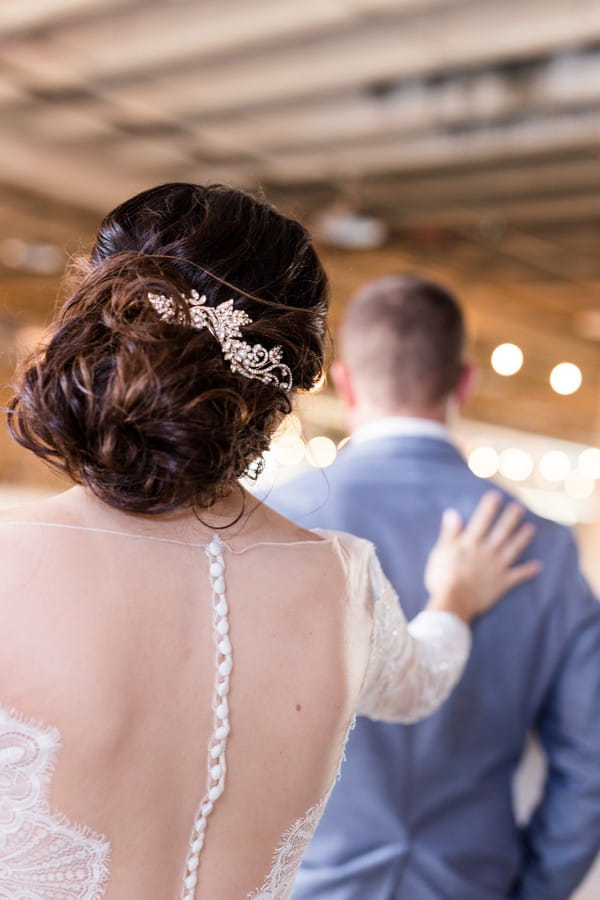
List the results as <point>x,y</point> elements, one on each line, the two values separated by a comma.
<point>454,138</point>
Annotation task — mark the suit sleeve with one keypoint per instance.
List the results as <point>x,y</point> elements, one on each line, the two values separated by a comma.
<point>563,836</point>
<point>412,667</point>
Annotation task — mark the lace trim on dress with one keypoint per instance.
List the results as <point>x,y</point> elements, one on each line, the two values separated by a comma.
<point>288,856</point>
<point>42,856</point>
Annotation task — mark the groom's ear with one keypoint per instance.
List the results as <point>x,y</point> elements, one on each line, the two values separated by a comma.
<point>469,379</point>
<point>343,383</point>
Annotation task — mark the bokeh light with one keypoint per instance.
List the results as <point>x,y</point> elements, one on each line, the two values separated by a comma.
<point>516,464</point>
<point>555,465</point>
<point>578,487</point>
<point>291,425</point>
<point>589,462</point>
<point>566,378</point>
<point>321,451</point>
<point>507,359</point>
<point>288,449</point>
<point>484,462</point>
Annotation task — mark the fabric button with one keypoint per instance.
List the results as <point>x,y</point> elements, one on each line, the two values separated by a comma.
<point>214,548</point>
<point>215,792</point>
<point>225,667</point>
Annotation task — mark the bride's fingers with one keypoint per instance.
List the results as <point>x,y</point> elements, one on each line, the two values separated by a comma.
<point>514,545</point>
<point>451,525</point>
<point>506,524</point>
<point>520,574</point>
<point>485,513</point>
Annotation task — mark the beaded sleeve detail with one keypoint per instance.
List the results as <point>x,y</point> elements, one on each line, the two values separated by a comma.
<point>42,856</point>
<point>217,764</point>
<point>412,668</point>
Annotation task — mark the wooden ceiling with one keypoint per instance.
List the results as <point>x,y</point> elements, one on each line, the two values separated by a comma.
<point>470,128</point>
<point>99,98</point>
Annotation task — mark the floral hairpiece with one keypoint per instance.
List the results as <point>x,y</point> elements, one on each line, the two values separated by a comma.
<point>224,323</point>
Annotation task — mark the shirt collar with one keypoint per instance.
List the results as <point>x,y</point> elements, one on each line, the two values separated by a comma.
<point>401,426</point>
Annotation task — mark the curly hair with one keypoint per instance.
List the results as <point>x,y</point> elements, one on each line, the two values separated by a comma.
<point>148,414</point>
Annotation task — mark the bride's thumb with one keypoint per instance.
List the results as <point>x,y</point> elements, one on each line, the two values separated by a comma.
<point>451,525</point>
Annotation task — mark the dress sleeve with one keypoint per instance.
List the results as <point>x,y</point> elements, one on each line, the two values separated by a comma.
<point>412,667</point>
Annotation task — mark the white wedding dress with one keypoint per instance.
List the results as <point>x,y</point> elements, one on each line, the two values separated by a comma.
<point>43,856</point>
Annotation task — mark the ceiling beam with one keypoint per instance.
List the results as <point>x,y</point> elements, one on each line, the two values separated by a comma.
<point>394,195</point>
<point>85,180</point>
<point>565,132</point>
<point>87,176</point>
<point>16,15</point>
<point>188,33</point>
<point>474,34</point>
<point>547,85</point>
<point>438,189</point>
<point>507,210</point>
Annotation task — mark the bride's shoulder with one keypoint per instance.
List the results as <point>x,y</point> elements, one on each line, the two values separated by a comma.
<point>13,525</point>
<point>24,545</point>
<point>288,531</point>
<point>325,550</point>
<point>307,562</point>
<point>351,543</point>
<point>276,528</point>
<point>41,509</point>
<point>356,552</point>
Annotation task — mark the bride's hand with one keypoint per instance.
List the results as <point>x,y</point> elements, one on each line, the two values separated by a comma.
<point>472,566</point>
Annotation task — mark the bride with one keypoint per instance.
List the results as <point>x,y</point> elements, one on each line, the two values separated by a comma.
<point>180,665</point>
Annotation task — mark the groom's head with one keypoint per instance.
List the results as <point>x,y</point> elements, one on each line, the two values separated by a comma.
<point>401,351</point>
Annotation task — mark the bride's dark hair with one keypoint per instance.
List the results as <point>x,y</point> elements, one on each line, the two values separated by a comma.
<point>148,414</point>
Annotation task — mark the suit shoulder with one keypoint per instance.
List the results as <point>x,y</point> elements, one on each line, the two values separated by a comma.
<point>560,536</point>
<point>552,539</point>
<point>564,585</point>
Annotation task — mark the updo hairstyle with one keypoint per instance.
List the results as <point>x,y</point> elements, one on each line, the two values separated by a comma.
<point>148,414</point>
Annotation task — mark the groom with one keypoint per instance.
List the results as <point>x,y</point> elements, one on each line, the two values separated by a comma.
<point>423,812</point>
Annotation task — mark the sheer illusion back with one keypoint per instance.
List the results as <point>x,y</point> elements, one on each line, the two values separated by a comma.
<point>186,703</point>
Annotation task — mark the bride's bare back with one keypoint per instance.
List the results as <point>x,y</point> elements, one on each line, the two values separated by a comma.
<point>109,639</point>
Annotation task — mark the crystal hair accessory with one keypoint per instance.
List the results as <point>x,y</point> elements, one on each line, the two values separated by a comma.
<point>224,323</point>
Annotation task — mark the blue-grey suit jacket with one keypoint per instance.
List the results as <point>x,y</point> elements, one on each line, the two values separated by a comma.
<point>424,812</point>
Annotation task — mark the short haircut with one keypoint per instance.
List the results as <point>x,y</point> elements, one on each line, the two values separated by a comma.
<point>403,338</point>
